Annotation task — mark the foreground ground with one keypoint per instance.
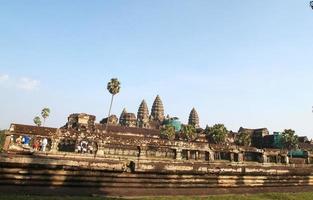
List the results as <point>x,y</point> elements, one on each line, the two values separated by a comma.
<point>264,196</point>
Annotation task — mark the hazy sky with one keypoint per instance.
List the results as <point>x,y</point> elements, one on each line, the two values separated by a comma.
<point>239,62</point>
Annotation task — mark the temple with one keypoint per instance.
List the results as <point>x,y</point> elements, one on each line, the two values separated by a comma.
<point>133,145</point>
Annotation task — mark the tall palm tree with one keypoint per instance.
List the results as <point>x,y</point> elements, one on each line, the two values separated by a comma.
<point>45,114</point>
<point>113,87</point>
<point>37,121</point>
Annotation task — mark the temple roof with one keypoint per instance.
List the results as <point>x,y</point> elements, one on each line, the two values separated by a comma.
<point>32,130</point>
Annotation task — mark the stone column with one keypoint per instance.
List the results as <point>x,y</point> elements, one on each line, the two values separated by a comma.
<point>197,155</point>
<point>240,157</point>
<point>264,158</point>
<point>178,154</point>
<point>232,157</point>
<point>7,141</point>
<point>100,150</point>
<point>54,145</point>
<point>211,156</point>
<point>308,157</point>
<point>287,159</point>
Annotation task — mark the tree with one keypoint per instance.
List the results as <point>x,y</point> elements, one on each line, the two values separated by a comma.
<point>168,132</point>
<point>37,121</point>
<point>188,132</point>
<point>289,139</point>
<point>113,87</point>
<point>217,133</point>
<point>45,114</point>
<point>243,138</point>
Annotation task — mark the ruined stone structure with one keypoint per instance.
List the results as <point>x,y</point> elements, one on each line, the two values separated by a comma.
<point>129,120</point>
<point>106,157</point>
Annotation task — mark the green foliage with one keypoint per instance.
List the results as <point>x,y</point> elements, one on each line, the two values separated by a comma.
<point>2,138</point>
<point>45,112</point>
<point>188,132</point>
<point>37,121</point>
<point>168,132</point>
<point>289,139</point>
<point>217,133</point>
<point>243,138</point>
<point>114,86</point>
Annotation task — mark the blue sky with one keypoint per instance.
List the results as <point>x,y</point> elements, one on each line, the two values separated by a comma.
<point>241,63</point>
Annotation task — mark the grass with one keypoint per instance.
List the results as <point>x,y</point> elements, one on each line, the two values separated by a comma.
<point>263,196</point>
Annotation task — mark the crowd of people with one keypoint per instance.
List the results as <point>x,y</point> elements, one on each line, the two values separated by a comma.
<point>38,144</point>
<point>85,147</point>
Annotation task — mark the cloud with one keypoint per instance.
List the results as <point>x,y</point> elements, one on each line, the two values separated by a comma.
<point>4,77</point>
<point>27,84</point>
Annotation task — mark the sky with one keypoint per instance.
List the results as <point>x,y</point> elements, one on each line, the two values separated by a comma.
<point>238,62</point>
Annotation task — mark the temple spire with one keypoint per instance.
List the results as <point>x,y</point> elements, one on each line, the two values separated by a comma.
<point>143,115</point>
<point>122,116</point>
<point>194,118</point>
<point>157,111</point>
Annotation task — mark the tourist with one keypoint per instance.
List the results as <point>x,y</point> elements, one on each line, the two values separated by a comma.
<point>90,148</point>
<point>19,140</point>
<point>84,146</point>
<point>36,144</point>
<point>26,140</point>
<point>44,143</point>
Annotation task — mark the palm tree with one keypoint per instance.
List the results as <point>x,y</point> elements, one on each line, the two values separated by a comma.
<point>45,114</point>
<point>37,121</point>
<point>114,88</point>
<point>217,133</point>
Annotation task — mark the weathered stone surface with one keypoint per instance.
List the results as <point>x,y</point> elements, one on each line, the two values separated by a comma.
<point>157,111</point>
<point>129,120</point>
<point>193,118</point>
<point>121,119</point>
<point>143,115</point>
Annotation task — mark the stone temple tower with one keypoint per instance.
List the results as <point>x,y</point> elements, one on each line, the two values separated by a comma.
<point>122,116</point>
<point>157,111</point>
<point>194,118</point>
<point>143,115</point>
